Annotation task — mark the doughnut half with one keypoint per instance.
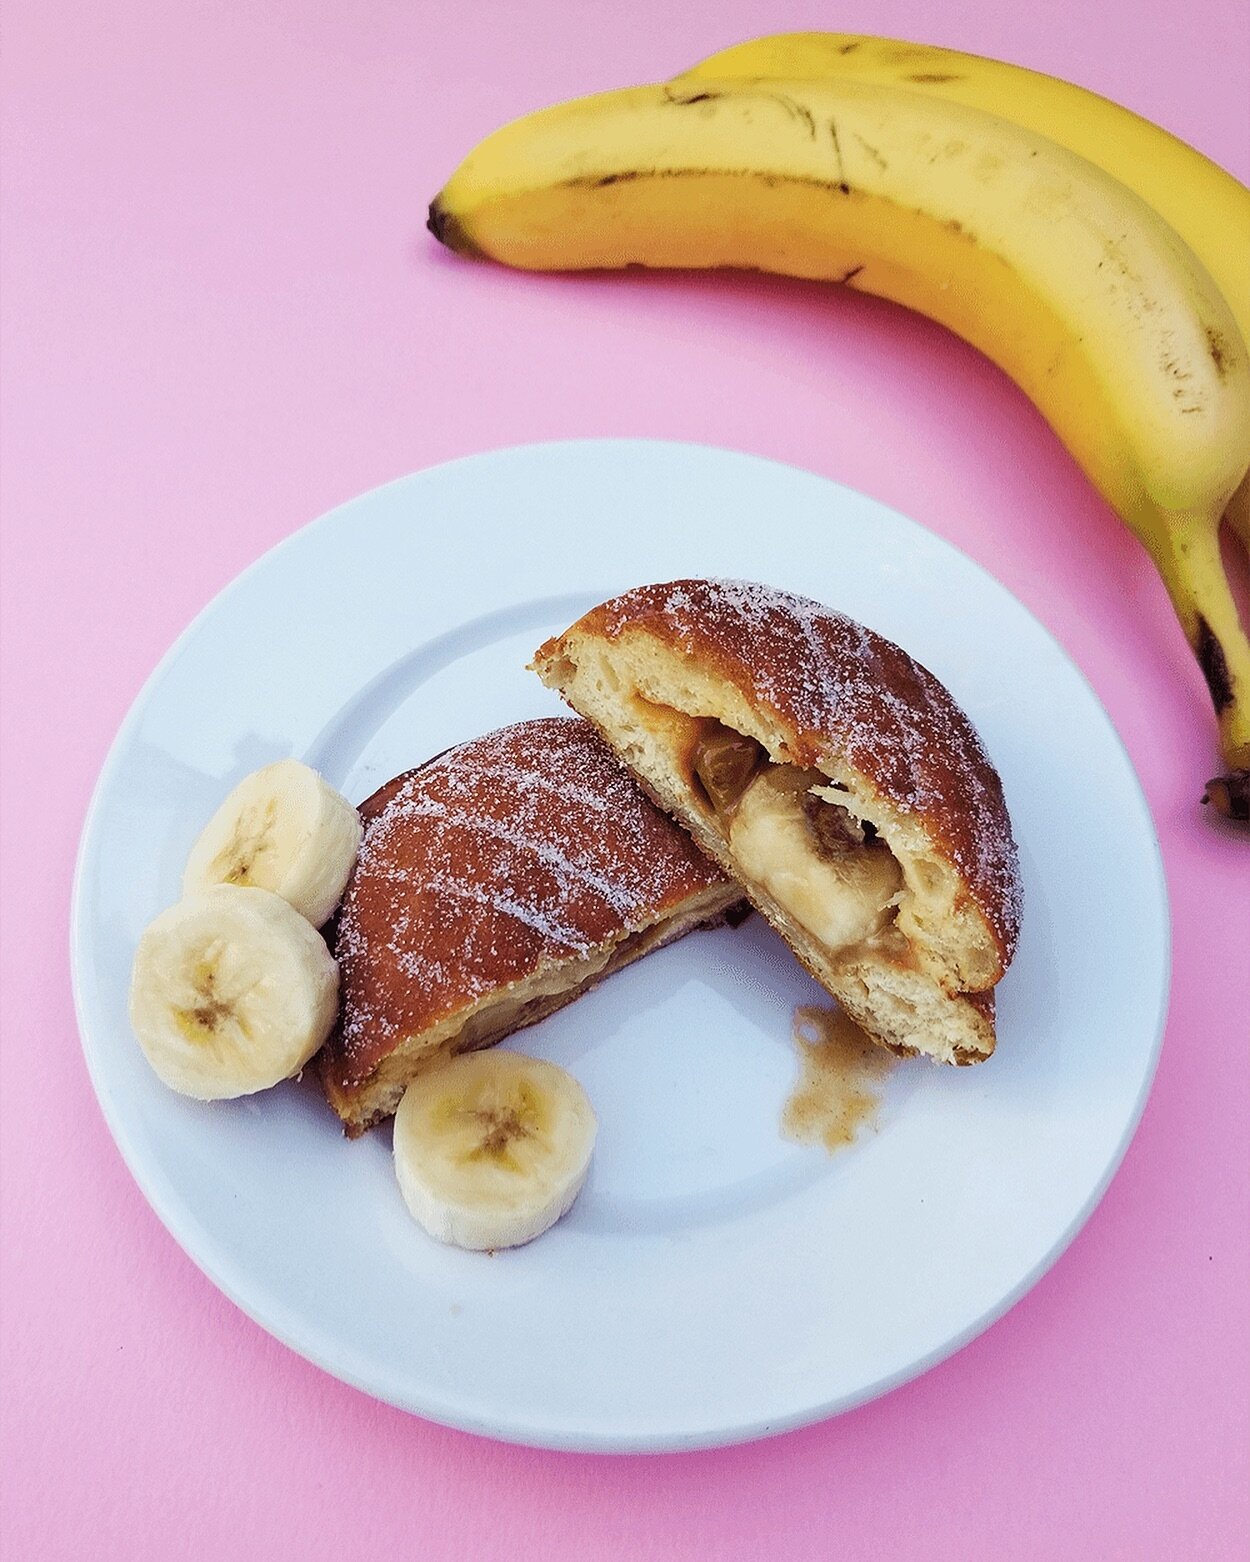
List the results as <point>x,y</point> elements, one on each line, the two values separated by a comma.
<point>495,884</point>
<point>829,773</point>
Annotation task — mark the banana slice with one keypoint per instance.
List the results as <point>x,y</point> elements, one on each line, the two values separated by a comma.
<point>231,990</point>
<point>491,1148</point>
<point>284,829</point>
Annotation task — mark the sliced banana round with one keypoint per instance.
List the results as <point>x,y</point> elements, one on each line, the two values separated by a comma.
<point>491,1148</point>
<point>231,990</point>
<point>283,828</point>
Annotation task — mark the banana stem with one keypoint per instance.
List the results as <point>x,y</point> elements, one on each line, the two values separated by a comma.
<point>1187,552</point>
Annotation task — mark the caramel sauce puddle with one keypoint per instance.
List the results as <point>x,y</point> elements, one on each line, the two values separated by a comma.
<point>841,1080</point>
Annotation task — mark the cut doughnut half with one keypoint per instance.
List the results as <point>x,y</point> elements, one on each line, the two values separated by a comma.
<point>832,776</point>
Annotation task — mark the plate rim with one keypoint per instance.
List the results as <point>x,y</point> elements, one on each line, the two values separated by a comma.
<point>155,1191</point>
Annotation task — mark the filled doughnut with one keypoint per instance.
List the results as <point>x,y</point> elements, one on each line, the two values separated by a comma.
<point>828,773</point>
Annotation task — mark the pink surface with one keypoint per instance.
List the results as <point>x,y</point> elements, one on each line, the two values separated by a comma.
<point>222,318</point>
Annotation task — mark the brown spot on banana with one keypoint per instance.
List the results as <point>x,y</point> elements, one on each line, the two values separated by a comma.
<point>802,114</point>
<point>836,187</point>
<point>873,152</point>
<point>931,76</point>
<point>1218,348</point>
<point>1214,665</point>
<point>684,100</point>
<point>842,184</point>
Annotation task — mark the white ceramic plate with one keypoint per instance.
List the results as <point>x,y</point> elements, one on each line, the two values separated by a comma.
<point>714,1282</point>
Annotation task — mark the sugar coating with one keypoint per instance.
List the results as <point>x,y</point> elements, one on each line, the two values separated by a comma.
<point>519,850</point>
<point>850,695</point>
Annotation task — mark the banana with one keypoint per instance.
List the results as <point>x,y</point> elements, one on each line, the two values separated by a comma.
<point>1206,205</point>
<point>231,991</point>
<point>491,1148</point>
<point>285,829</point>
<point>1075,286</point>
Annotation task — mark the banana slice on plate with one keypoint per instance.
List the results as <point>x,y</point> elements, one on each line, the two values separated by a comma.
<point>231,991</point>
<point>491,1148</point>
<point>284,829</point>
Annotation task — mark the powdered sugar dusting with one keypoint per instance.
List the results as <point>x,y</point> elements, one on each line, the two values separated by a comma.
<point>849,692</point>
<point>522,848</point>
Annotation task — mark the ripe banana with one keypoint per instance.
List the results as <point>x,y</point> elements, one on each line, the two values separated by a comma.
<point>231,991</point>
<point>492,1148</point>
<point>1202,201</point>
<point>1206,205</point>
<point>285,829</point>
<point>1066,279</point>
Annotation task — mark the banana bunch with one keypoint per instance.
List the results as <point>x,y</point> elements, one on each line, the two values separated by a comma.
<point>1090,255</point>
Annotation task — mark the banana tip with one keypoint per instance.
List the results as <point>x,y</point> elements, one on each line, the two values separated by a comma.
<point>1229,795</point>
<point>449,230</point>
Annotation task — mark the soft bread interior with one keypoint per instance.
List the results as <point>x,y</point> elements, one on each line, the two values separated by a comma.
<point>857,889</point>
<point>511,1008</point>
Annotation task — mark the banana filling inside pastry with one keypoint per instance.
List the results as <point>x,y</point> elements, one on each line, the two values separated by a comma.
<point>790,832</point>
<point>828,772</point>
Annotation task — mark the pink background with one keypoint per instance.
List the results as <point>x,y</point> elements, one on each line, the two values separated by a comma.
<point>222,318</point>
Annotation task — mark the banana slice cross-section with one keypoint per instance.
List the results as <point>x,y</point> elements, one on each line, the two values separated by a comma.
<point>491,1148</point>
<point>231,991</point>
<point>284,829</point>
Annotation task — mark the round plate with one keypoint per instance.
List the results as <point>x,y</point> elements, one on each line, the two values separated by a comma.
<point>714,1282</point>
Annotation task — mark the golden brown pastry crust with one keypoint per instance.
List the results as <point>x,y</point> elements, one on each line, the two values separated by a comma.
<point>502,860</point>
<point>838,690</point>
